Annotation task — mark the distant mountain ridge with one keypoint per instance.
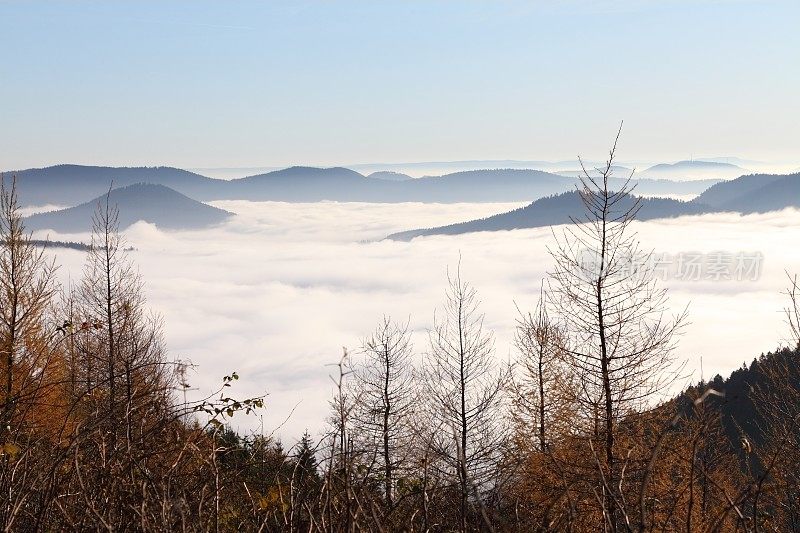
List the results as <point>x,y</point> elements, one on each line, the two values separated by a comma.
<point>157,204</point>
<point>694,169</point>
<point>175,207</point>
<point>693,164</point>
<point>72,184</point>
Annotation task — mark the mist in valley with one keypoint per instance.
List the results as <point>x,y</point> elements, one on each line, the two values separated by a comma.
<point>280,289</point>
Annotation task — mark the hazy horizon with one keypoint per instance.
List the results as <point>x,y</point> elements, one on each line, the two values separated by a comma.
<point>418,169</point>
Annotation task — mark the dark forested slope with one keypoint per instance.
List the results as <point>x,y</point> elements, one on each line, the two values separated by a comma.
<point>160,205</point>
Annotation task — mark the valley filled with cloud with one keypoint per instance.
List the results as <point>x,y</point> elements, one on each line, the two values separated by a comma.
<point>278,291</point>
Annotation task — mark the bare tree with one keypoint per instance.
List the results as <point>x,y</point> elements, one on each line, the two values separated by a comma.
<point>387,395</point>
<point>541,387</point>
<point>792,310</point>
<point>339,502</point>
<point>127,397</point>
<point>122,342</point>
<point>464,386</point>
<point>621,342</point>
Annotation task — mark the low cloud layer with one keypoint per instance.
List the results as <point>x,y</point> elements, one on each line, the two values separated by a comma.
<point>279,290</point>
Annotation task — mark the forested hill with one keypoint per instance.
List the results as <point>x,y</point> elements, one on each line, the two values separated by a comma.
<point>70,245</point>
<point>757,193</point>
<point>73,184</point>
<point>750,393</point>
<point>160,205</point>
<point>554,210</point>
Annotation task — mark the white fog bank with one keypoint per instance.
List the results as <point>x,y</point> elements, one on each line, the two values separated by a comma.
<point>276,292</point>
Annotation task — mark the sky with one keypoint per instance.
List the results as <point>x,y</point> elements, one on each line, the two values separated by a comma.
<point>276,292</point>
<point>248,84</point>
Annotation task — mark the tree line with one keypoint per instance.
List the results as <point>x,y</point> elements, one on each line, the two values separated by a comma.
<point>577,433</point>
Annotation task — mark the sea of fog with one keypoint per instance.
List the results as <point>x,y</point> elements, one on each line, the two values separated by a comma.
<point>277,292</point>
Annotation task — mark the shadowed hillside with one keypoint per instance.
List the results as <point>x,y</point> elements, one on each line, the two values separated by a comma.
<point>157,204</point>
<point>754,193</point>
<point>758,193</point>
<point>551,211</point>
<point>73,184</point>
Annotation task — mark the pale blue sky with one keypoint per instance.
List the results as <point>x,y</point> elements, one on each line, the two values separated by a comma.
<point>214,84</point>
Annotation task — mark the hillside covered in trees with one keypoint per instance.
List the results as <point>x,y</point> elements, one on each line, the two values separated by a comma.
<point>579,432</point>
<point>756,193</point>
<point>157,204</point>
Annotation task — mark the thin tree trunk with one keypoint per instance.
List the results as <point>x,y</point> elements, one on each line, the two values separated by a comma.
<point>462,460</point>
<point>386,455</point>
